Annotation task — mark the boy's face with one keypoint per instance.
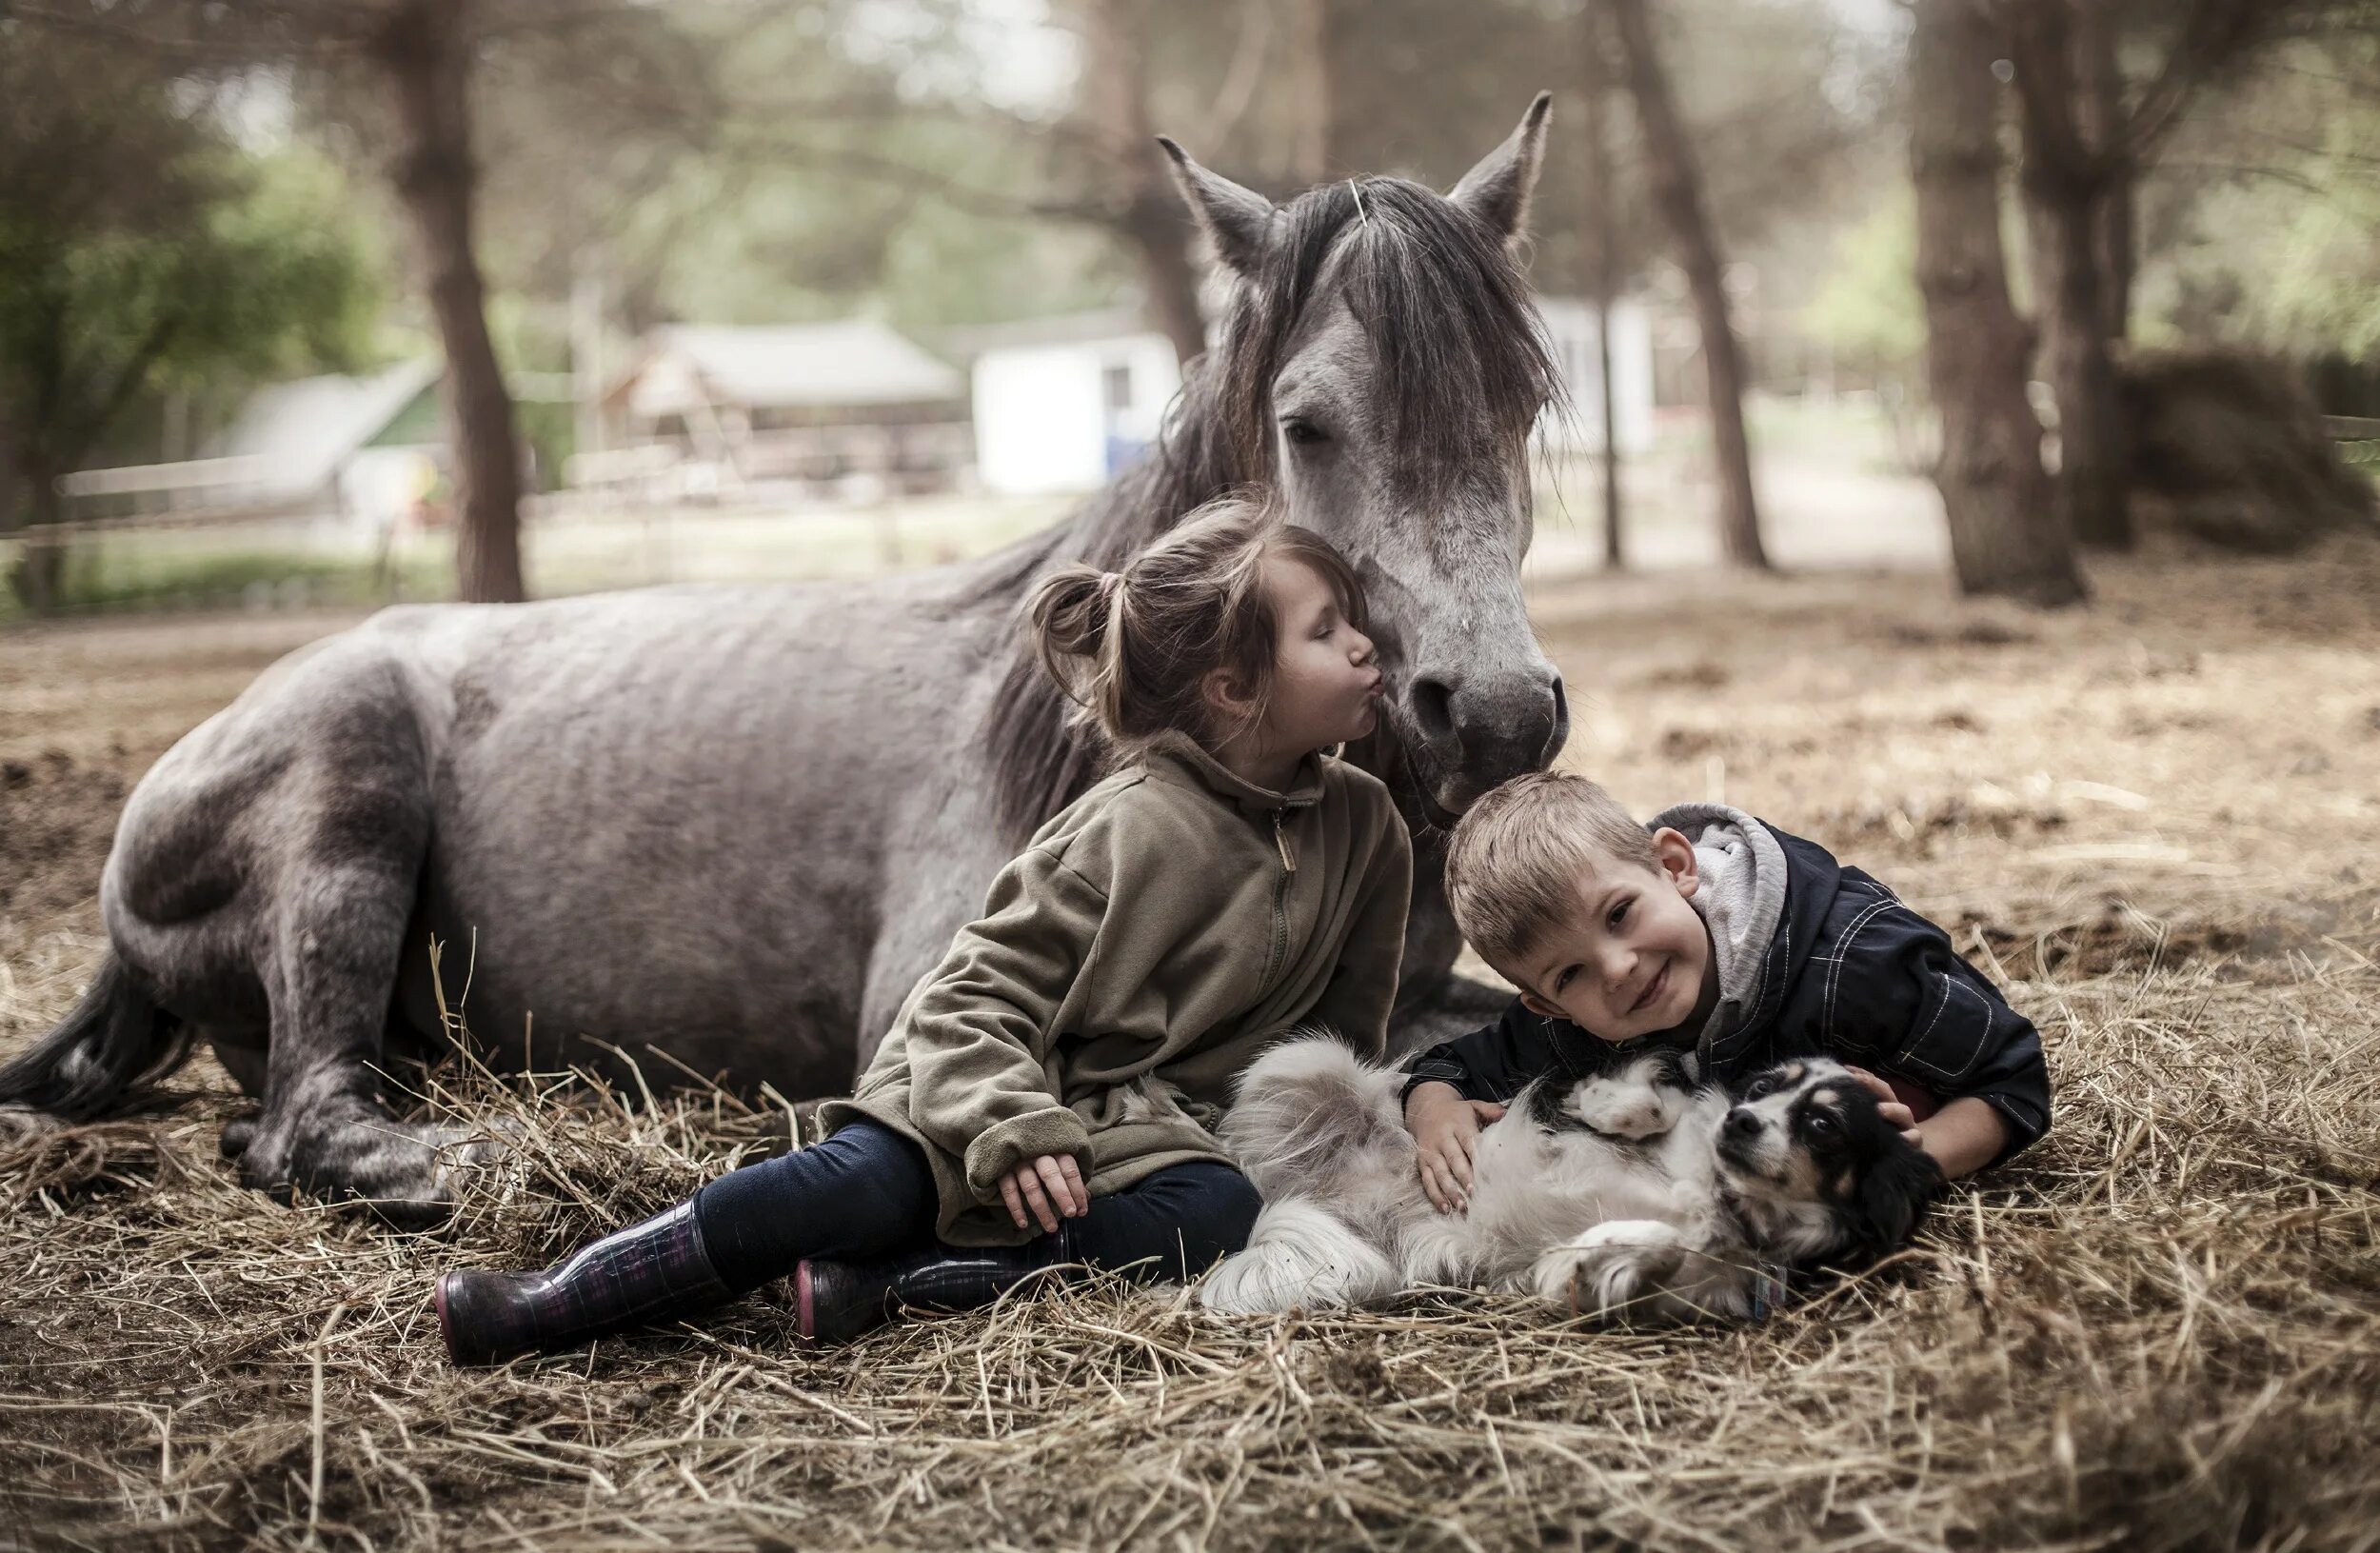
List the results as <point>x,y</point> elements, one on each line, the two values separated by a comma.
<point>1631,959</point>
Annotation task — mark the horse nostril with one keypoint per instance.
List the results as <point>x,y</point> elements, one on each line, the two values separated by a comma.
<point>1434,709</point>
<point>1561,735</point>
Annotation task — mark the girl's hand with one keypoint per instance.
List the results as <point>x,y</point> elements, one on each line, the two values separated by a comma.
<point>1889,1105</point>
<point>1051,1186</point>
<point>1447,1127</point>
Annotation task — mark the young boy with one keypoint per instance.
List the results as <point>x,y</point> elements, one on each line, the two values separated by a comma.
<point>1711,931</point>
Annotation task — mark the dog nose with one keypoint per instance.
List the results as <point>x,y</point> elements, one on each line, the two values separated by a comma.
<point>1743,1123</point>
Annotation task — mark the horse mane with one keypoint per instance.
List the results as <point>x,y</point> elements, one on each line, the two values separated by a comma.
<point>1459,345</point>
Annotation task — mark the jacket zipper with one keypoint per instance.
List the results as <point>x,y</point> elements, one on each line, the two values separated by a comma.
<point>1281,903</point>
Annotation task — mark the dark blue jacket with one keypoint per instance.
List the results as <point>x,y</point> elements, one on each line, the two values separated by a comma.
<point>1851,973</point>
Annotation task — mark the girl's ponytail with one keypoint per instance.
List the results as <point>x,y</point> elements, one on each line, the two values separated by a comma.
<point>1075,616</point>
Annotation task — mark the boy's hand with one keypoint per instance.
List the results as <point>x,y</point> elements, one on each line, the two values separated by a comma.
<point>1889,1105</point>
<point>1051,1186</point>
<point>1447,1127</point>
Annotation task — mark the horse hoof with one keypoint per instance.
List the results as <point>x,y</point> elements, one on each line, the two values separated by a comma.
<point>408,1174</point>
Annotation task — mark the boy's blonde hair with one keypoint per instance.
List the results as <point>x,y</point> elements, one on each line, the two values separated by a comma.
<point>1133,647</point>
<point>1519,858</point>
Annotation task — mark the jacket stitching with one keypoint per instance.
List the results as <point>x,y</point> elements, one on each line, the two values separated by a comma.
<point>1914,1054</point>
<point>1842,953</point>
<point>1917,1042</point>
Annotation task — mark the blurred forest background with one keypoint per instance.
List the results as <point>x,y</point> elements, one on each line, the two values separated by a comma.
<point>2140,233</point>
<point>309,304</point>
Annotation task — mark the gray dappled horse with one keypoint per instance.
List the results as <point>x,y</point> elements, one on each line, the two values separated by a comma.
<point>735,823</point>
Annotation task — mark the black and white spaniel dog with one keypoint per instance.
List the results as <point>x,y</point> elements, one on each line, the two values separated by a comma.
<point>1639,1192</point>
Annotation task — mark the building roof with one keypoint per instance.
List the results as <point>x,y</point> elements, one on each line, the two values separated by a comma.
<point>856,361</point>
<point>1098,327</point>
<point>304,429</point>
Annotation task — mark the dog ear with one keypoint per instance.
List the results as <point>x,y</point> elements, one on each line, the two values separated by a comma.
<point>1893,1195</point>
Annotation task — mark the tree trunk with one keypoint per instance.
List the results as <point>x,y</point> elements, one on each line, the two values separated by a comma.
<point>1310,91</point>
<point>426,51</point>
<point>1595,80</point>
<point>2005,536</point>
<point>1149,215</point>
<point>1161,243</point>
<point>2104,123</point>
<point>2067,181</point>
<point>1677,188</point>
<point>38,578</point>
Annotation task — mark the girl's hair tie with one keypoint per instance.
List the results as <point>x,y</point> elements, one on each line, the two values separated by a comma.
<point>1109,582</point>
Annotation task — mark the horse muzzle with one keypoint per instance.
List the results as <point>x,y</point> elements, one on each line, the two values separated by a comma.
<point>1464,733</point>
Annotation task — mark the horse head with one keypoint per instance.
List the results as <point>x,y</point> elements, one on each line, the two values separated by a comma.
<point>1383,367</point>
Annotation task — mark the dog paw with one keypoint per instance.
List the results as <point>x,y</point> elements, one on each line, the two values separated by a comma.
<point>1630,1113</point>
<point>1610,1267</point>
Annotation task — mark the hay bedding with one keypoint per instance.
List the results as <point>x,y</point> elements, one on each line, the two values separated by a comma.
<point>2160,1329</point>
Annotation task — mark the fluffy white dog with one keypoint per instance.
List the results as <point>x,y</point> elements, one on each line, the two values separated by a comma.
<point>1639,1192</point>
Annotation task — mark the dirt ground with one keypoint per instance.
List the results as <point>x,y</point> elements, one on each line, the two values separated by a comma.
<point>2156,820</point>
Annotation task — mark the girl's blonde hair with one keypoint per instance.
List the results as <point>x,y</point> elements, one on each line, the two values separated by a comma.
<point>1133,647</point>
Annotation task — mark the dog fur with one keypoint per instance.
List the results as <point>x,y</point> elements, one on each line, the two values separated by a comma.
<point>1636,1192</point>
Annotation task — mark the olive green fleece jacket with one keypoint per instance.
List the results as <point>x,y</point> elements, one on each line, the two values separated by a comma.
<point>1162,930</point>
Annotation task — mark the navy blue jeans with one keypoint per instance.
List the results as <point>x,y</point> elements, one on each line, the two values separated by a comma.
<point>867,1192</point>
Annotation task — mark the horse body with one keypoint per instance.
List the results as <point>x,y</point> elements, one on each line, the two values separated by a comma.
<point>736,823</point>
<point>613,834</point>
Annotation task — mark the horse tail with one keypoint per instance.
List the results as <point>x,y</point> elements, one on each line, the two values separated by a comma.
<point>115,1041</point>
<point>1309,1111</point>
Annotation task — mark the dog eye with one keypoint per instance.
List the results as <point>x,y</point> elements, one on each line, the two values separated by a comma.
<point>1821,1124</point>
<point>1757,1088</point>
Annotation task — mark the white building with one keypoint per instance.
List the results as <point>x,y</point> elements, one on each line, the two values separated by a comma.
<point>365,448</point>
<point>851,408</point>
<point>1064,403</point>
<point>340,452</point>
<point>1570,326</point>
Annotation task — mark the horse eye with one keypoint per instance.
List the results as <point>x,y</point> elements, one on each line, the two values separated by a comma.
<point>1303,431</point>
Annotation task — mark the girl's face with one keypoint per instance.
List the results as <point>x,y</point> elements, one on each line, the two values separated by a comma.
<point>1327,688</point>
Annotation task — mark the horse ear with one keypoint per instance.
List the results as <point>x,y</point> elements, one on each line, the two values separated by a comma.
<point>1238,220</point>
<point>1498,190</point>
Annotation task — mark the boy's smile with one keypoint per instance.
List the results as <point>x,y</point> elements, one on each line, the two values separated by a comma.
<point>1635,958</point>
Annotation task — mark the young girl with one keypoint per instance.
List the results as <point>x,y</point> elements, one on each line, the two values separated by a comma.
<point>1044,1098</point>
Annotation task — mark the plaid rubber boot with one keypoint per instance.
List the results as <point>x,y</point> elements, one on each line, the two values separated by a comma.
<point>646,1272</point>
<point>839,1301</point>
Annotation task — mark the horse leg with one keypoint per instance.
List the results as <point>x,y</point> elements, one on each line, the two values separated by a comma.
<point>279,854</point>
<point>323,1129</point>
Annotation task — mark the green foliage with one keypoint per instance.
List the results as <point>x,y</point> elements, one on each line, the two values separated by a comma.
<point>1868,307</point>
<point>258,284</point>
<point>189,264</point>
<point>846,163</point>
<point>2264,217</point>
<point>2320,290</point>
<point>124,574</point>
